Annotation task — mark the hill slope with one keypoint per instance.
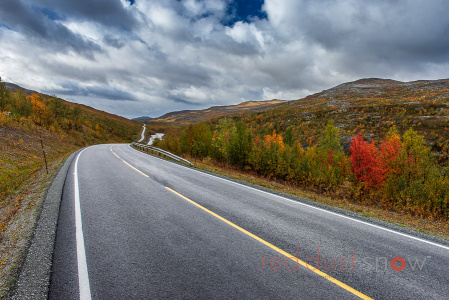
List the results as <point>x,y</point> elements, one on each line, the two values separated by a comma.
<point>372,106</point>
<point>26,115</point>
<point>369,87</point>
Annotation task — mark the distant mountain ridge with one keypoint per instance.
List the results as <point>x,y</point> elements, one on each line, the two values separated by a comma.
<point>195,116</point>
<point>365,87</point>
<point>142,118</point>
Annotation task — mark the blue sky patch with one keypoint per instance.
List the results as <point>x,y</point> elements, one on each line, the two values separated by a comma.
<point>245,11</point>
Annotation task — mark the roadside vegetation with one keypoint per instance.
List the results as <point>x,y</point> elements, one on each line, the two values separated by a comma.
<point>387,150</point>
<point>29,124</point>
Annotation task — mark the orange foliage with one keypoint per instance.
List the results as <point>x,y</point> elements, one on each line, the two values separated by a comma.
<point>40,111</point>
<point>389,153</point>
<point>275,139</point>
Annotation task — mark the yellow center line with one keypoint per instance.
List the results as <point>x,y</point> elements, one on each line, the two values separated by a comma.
<point>300,262</point>
<point>110,148</point>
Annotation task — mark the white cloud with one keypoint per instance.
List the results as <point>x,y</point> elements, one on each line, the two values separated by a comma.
<point>270,94</point>
<point>196,8</point>
<point>191,94</point>
<point>172,55</point>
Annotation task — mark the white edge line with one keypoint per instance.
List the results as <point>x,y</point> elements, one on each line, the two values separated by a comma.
<point>83,277</point>
<point>315,207</point>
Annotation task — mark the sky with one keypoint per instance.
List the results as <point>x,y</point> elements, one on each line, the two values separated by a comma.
<point>147,57</point>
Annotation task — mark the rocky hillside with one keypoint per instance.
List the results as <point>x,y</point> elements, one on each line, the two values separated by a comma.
<point>370,87</point>
<point>372,106</point>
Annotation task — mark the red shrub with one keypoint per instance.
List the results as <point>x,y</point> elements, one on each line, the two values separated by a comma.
<point>366,163</point>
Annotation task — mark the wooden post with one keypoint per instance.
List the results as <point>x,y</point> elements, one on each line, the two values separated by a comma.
<point>45,157</point>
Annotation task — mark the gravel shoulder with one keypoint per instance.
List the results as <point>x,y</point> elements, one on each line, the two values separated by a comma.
<point>26,247</point>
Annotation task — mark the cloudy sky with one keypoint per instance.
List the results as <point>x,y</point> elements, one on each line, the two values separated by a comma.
<point>149,57</point>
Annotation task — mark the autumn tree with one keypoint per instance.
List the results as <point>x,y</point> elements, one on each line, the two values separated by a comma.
<point>21,106</point>
<point>41,113</point>
<point>414,180</point>
<point>240,145</point>
<point>332,165</point>
<point>365,163</point>
<point>221,141</point>
<point>288,137</point>
<point>330,138</point>
<point>196,140</point>
<point>4,96</point>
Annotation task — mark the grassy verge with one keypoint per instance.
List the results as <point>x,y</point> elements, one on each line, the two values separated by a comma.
<point>433,228</point>
<point>23,183</point>
<point>22,211</point>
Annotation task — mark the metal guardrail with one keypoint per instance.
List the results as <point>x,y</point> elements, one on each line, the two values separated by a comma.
<point>147,149</point>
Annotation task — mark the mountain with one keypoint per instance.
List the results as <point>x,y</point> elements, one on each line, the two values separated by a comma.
<point>141,119</point>
<point>196,116</point>
<point>339,96</point>
<point>372,106</point>
<point>375,86</point>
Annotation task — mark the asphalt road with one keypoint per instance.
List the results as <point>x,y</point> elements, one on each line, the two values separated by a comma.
<point>142,134</point>
<point>153,229</point>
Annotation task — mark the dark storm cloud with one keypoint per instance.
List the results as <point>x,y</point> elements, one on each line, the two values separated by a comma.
<point>39,28</point>
<point>401,33</point>
<point>102,92</point>
<point>179,100</point>
<point>107,12</point>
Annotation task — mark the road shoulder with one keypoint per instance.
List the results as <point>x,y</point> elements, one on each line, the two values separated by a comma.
<point>34,278</point>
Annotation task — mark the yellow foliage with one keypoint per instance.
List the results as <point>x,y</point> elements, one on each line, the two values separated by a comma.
<point>3,116</point>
